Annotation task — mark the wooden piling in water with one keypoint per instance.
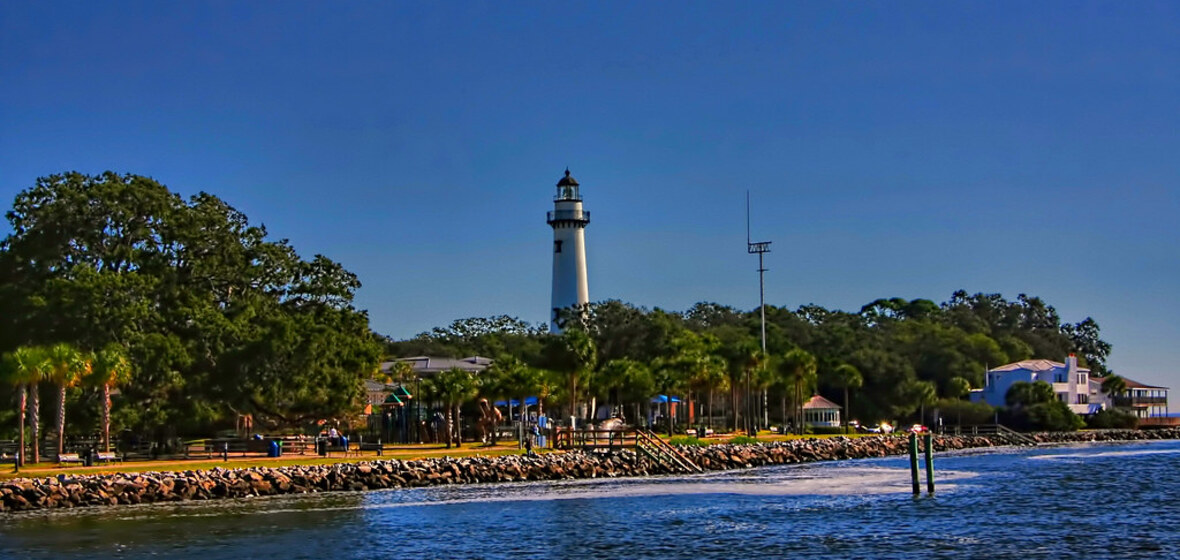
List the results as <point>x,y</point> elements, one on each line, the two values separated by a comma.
<point>930,463</point>
<point>914,463</point>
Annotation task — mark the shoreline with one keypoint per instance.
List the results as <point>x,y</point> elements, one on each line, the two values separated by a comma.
<point>65,492</point>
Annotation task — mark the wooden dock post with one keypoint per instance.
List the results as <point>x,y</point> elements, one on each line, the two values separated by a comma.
<point>930,463</point>
<point>914,463</point>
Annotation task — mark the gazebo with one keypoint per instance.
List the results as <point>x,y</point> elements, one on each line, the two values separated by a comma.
<point>818,411</point>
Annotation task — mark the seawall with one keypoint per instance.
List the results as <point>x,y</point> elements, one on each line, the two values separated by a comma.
<point>67,491</point>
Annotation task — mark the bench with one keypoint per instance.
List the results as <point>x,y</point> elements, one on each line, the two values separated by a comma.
<point>68,458</point>
<point>106,457</point>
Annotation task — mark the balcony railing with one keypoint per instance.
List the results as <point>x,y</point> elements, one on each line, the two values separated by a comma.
<point>1140,401</point>
<point>577,216</point>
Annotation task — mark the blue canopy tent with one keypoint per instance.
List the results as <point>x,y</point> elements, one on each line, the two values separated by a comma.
<point>659,400</point>
<point>515,404</point>
<point>528,401</point>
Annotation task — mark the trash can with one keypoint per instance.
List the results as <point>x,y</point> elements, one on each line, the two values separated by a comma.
<point>88,459</point>
<point>272,448</point>
<point>321,447</point>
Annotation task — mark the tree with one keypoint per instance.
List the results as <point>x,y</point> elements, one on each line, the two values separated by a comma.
<point>515,378</point>
<point>68,367</point>
<point>1114,386</point>
<point>216,318</point>
<point>453,387</point>
<point>23,368</point>
<point>1024,394</point>
<point>111,369</point>
<point>918,395</point>
<point>797,373</point>
<point>631,380</point>
<point>572,353</point>
<point>742,355</point>
<point>957,388</point>
<point>848,377</point>
<point>1085,337</point>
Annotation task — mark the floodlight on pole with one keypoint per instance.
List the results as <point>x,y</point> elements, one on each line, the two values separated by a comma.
<point>759,248</point>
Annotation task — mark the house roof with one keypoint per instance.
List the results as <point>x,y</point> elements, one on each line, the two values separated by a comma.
<point>374,386</point>
<point>1132,384</point>
<point>819,403</point>
<point>1034,365</point>
<point>429,365</point>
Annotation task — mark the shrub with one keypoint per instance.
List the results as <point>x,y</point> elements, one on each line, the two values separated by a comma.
<point>687,441</point>
<point>1113,419</point>
<point>742,440</point>
<point>1054,416</point>
<point>965,413</point>
<point>827,430</point>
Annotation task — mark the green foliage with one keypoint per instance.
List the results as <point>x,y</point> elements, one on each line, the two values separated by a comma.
<point>964,413</point>
<point>1112,418</point>
<point>215,319</point>
<point>907,352</point>
<point>1023,393</point>
<point>826,430</point>
<point>688,441</point>
<point>1054,416</point>
<point>742,440</point>
<point>1114,385</point>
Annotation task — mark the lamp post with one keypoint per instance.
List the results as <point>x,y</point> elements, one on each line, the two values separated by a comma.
<point>760,248</point>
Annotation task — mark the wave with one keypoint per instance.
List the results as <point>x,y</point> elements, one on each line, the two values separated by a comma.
<point>1130,453</point>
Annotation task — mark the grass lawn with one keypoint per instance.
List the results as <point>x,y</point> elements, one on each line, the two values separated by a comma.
<point>408,452</point>
<point>403,452</point>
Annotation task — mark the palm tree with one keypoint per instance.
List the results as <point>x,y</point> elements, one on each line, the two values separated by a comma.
<point>631,380</point>
<point>40,369</point>
<point>453,386</point>
<point>848,377</point>
<point>919,394</point>
<point>573,353</point>
<point>20,368</point>
<point>752,360</point>
<point>740,357</point>
<point>68,367</point>
<point>797,372</point>
<point>710,378</point>
<point>668,375</point>
<point>1114,386</point>
<point>111,368</point>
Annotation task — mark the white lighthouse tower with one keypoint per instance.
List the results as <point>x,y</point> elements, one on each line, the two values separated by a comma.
<point>569,249</point>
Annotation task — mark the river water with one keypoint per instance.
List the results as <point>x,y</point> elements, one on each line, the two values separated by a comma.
<point>1079,501</point>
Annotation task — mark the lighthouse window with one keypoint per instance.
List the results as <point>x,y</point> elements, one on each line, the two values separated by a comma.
<point>557,246</point>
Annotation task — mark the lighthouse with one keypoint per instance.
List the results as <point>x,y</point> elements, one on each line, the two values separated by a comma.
<point>568,221</point>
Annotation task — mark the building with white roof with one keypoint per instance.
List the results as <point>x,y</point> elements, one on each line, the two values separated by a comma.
<point>818,411</point>
<point>1070,383</point>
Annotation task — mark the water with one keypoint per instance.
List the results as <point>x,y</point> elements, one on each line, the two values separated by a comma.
<point>1083,501</point>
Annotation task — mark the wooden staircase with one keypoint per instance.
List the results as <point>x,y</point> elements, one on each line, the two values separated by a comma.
<point>663,453</point>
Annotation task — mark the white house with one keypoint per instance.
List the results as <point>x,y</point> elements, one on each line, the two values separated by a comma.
<point>1070,383</point>
<point>1148,402</point>
<point>818,411</point>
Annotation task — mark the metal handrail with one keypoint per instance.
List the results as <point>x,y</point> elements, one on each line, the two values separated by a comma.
<point>580,216</point>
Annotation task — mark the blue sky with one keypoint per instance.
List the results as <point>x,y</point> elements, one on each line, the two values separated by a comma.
<point>891,149</point>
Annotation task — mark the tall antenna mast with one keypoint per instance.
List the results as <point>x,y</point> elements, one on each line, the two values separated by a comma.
<point>760,248</point>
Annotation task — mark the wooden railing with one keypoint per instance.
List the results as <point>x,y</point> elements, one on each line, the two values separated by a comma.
<point>564,438</point>
<point>664,453</point>
<point>988,429</point>
<point>642,440</point>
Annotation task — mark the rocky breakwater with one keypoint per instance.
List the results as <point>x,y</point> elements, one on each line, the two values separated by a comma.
<point>65,491</point>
